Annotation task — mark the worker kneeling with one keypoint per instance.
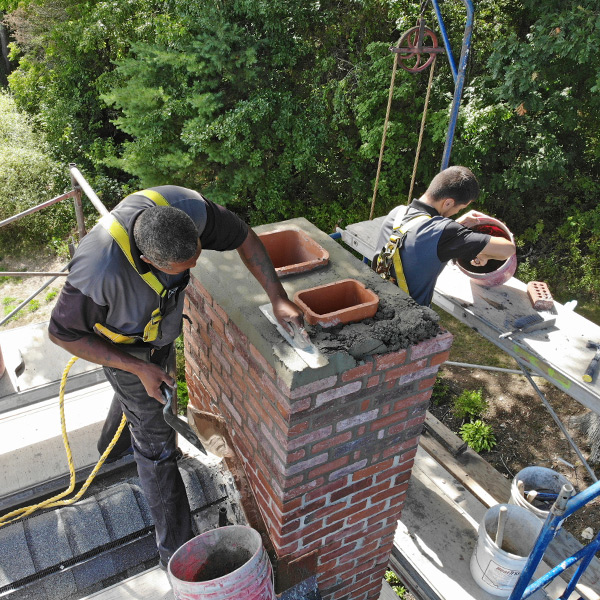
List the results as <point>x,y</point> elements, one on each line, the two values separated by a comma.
<point>416,242</point>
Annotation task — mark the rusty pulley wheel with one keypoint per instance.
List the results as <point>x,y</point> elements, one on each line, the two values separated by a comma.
<point>417,49</point>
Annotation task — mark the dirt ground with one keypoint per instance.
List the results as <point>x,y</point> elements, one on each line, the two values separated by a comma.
<point>13,290</point>
<point>526,434</point>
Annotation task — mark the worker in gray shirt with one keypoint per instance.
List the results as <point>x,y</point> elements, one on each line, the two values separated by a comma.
<point>122,307</point>
<point>416,242</point>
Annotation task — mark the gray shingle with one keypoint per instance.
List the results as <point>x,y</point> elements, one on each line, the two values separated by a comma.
<point>47,539</point>
<point>121,511</point>
<point>84,524</point>
<point>15,559</point>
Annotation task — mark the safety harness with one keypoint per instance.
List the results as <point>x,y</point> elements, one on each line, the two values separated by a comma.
<point>390,255</point>
<point>120,235</point>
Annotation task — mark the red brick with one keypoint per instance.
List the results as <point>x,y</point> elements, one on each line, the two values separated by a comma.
<point>385,361</point>
<point>328,466</point>
<point>427,383</point>
<point>298,428</point>
<point>358,372</point>
<point>314,387</point>
<point>385,421</point>
<point>373,470</point>
<point>351,489</point>
<point>405,370</point>
<point>361,553</point>
<point>356,420</point>
<point>373,381</point>
<point>342,515</point>
<point>313,436</point>
<point>440,343</point>
<point>419,420</point>
<point>302,489</point>
<point>372,509</point>
<point>393,514</point>
<point>324,490</point>
<point>439,359</point>
<point>335,393</point>
<point>332,441</point>
<point>258,357</point>
<point>415,400</point>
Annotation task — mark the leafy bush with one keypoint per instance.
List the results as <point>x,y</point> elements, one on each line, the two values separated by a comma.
<point>441,390</point>
<point>396,584</point>
<point>182,389</point>
<point>478,435</point>
<point>469,404</point>
<point>28,176</point>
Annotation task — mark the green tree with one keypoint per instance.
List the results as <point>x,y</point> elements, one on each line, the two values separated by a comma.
<point>28,176</point>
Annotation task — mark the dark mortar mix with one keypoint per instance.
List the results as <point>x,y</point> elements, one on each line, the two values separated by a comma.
<point>399,323</point>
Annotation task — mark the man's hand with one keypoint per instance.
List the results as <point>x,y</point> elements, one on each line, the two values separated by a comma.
<point>470,219</point>
<point>290,317</point>
<point>96,350</point>
<point>152,377</point>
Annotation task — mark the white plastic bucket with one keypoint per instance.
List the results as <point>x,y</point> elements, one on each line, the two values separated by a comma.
<point>495,569</point>
<point>227,563</point>
<point>540,479</point>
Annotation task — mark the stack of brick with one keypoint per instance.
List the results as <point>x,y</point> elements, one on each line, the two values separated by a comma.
<point>329,460</point>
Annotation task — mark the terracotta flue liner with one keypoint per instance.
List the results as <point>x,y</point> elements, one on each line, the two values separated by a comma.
<point>292,251</point>
<point>341,302</point>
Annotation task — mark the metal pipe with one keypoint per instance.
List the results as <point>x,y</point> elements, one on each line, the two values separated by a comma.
<point>89,192</point>
<point>590,549</point>
<point>16,310</point>
<point>558,421</point>
<point>460,82</point>
<point>37,208</point>
<point>446,39</point>
<point>78,209</point>
<point>485,368</point>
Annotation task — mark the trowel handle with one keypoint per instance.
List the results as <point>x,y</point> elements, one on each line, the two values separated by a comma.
<point>588,376</point>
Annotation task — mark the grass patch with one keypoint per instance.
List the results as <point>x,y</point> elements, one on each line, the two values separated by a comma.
<point>51,295</point>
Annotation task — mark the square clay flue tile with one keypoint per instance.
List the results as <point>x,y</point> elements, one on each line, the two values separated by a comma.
<point>344,301</point>
<point>292,251</point>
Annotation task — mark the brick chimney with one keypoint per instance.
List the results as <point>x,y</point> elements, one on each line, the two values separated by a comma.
<point>328,451</point>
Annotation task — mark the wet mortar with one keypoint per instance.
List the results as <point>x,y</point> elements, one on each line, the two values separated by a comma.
<point>399,323</point>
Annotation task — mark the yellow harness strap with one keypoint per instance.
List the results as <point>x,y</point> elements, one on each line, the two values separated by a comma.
<point>392,248</point>
<point>119,234</point>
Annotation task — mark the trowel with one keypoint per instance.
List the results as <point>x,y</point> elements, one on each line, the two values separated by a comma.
<point>179,425</point>
<point>307,351</point>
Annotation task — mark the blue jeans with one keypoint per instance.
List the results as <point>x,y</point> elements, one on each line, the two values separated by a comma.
<point>154,450</point>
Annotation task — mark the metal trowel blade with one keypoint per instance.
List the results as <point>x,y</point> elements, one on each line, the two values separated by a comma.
<point>305,349</point>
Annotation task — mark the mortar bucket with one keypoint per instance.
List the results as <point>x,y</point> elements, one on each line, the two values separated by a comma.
<point>495,569</point>
<point>227,563</point>
<point>539,479</point>
<point>495,272</point>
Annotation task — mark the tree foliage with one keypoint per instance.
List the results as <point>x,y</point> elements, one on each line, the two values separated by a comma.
<point>28,176</point>
<point>277,108</point>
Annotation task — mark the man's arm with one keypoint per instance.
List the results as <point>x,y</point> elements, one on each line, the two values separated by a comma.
<point>498,248</point>
<point>257,261</point>
<point>96,350</point>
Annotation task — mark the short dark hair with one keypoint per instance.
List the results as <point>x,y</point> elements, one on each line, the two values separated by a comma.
<point>457,183</point>
<point>165,235</point>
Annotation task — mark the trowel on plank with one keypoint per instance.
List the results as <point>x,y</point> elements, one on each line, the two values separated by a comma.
<point>529,323</point>
<point>307,351</point>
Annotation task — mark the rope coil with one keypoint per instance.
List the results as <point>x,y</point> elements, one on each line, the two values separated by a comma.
<point>57,500</point>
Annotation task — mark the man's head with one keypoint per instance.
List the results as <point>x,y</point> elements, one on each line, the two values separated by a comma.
<point>451,190</point>
<point>167,239</point>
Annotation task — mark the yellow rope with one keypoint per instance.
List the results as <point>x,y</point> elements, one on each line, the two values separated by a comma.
<point>414,173</point>
<point>25,511</point>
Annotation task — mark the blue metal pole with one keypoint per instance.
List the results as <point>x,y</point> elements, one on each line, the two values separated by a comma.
<point>581,499</point>
<point>590,550</point>
<point>460,82</point>
<point>446,39</point>
<point>553,520</point>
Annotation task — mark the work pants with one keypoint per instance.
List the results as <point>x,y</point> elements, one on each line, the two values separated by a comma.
<point>154,451</point>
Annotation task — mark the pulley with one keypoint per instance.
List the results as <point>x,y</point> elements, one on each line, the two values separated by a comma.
<point>417,48</point>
